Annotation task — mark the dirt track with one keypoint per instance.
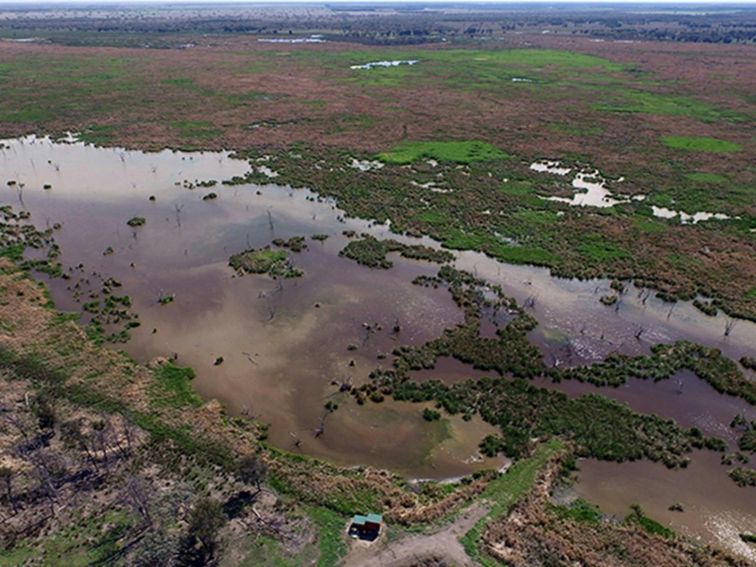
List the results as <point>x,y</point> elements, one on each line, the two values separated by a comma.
<point>442,544</point>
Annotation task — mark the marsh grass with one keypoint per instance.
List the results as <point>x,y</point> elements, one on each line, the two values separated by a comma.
<point>700,144</point>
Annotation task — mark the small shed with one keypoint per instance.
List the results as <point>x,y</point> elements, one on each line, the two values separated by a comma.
<point>366,527</point>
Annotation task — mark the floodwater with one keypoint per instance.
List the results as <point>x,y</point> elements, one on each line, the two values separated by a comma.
<point>286,346</point>
<point>685,218</point>
<point>378,64</point>
<point>592,192</point>
<point>715,509</point>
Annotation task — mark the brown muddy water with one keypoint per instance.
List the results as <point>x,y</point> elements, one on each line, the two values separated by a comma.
<point>285,345</point>
<point>715,509</point>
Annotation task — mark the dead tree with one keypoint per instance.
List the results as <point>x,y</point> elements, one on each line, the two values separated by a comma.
<point>729,325</point>
<point>320,431</point>
<point>74,438</point>
<point>369,330</point>
<point>100,435</point>
<point>6,477</point>
<point>249,357</point>
<point>641,329</point>
<point>297,440</point>
<point>136,495</point>
<point>48,469</point>
<point>129,432</point>
<point>669,313</point>
<point>178,214</point>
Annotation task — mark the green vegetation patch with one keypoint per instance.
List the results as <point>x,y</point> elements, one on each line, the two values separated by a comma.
<point>275,263</point>
<point>136,221</point>
<point>91,541</point>
<point>30,114</point>
<point>173,386</point>
<point>370,251</point>
<point>196,129</point>
<point>701,144</point>
<point>743,477</point>
<point>596,248</point>
<point>331,542</point>
<point>625,99</point>
<point>523,255</point>
<point>638,517</point>
<point>665,361</point>
<point>706,177</point>
<point>454,151</point>
<point>579,511</point>
<point>98,135</point>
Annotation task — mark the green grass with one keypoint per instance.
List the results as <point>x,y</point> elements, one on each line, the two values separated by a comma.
<point>16,556</point>
<point>651,526</point>
<point>645,224</point>
<point>534,58</point>
<point>432,218</point>
<point>505,491</point>
<point>453,151</point>
<point>173,386</point>
<point>458,239</point>
<point>30,114</point>
<point>99,135</point>
<point>13,252</point>
<point>523,254</point>
<point>331,542</point>
<point>626,99</point>
<point>471,69</point>
<point>597,249</point>
<point>579,511</point>
<point>706,177</point>
<point>527,58</point>
<point>77,544</point>
<point>518,188</point>
<point>196,129</point>
<point>700,144</point>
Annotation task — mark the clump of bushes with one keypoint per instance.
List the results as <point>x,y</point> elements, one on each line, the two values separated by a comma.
<point>743,476</point>
<point>275,263</point>
<point>295,243</point>
<point>371,252</point>
<point>136,221</point>
<point>431,414</point>
<point>664,362</point>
